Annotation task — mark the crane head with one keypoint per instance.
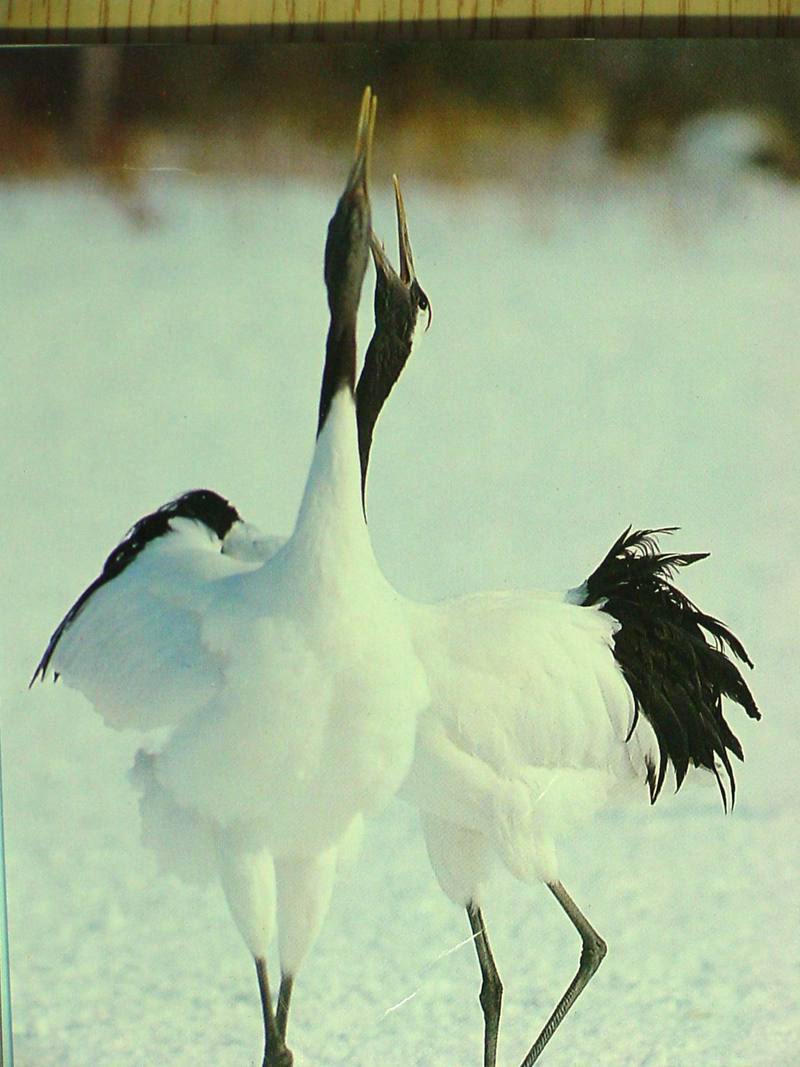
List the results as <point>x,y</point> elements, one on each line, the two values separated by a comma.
<point>399,297</point>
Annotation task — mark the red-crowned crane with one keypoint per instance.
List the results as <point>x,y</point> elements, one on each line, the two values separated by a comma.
<point>284,668</point>
<point>544,707</point>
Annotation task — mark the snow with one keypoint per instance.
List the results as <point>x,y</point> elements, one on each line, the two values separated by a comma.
<point>599,356</point>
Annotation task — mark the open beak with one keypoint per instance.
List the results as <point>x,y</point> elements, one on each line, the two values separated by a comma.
<point>360,171</point>
<point>403,242</point>
<point>407,274</point>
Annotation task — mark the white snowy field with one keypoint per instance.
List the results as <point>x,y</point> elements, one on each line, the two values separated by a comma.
<point>599,356</point>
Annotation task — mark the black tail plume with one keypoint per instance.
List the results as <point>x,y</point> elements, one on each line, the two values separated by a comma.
<point>673,657</point>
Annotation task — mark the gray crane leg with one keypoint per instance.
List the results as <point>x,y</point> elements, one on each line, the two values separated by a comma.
<point>491,995</point>
<point>592,953</point>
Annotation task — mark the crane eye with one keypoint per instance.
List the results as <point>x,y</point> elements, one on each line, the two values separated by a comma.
<point>419,296</point>
<point>425,305</point>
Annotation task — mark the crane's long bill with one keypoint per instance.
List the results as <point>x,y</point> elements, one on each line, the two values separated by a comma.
<point>403,240</point>
<point>360,171</point>
<point>407,272</point>
<point>346,255</point>
<point>405,258</point>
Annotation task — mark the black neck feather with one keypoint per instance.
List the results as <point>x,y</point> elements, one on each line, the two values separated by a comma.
<point>386,356</point>
<point>340,366</point>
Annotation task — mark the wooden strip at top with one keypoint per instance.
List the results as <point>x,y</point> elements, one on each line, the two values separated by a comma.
<point>137,21</point>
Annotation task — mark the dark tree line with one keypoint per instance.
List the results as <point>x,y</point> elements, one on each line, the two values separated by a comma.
<point>83,97</point>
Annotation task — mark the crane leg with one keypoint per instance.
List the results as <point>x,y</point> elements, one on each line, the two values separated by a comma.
<point>276,1054</point>
<point>491,995</point>
<point>592,953</point>
<point>282,1011</point>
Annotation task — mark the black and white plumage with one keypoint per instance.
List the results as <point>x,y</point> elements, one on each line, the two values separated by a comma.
<point>201,525</point>
<point>398,300</point>
<point>283,666</point>
<point>131,642</point>
<point>202,507</point>
<point>547,706</point>
<point>678,678</point>
<point>531,711</point>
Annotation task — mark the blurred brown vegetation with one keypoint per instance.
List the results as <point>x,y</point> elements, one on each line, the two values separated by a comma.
<point>249,107</point>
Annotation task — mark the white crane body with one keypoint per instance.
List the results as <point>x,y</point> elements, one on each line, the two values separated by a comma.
<point>292,684</point>
<point>315,721</point>
<point>525,735</point>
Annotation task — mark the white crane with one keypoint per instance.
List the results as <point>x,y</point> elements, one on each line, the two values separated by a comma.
<point>544,707</point>
<point>283,670</point>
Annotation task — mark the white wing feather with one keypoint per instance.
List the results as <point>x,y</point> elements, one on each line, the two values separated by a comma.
<point>524,737</point>
<point>135,648</point>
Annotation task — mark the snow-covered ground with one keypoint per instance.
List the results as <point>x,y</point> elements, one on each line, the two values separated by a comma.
<point>621,353</point>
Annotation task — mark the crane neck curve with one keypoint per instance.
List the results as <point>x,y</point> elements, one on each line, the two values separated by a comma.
<point>386,356</point>
<point>330,523</point>
<point>383,363</point>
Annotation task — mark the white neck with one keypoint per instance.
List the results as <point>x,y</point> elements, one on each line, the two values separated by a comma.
<point>330,522</point>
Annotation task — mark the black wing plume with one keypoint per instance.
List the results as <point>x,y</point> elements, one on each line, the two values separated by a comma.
<point>203,505</point>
